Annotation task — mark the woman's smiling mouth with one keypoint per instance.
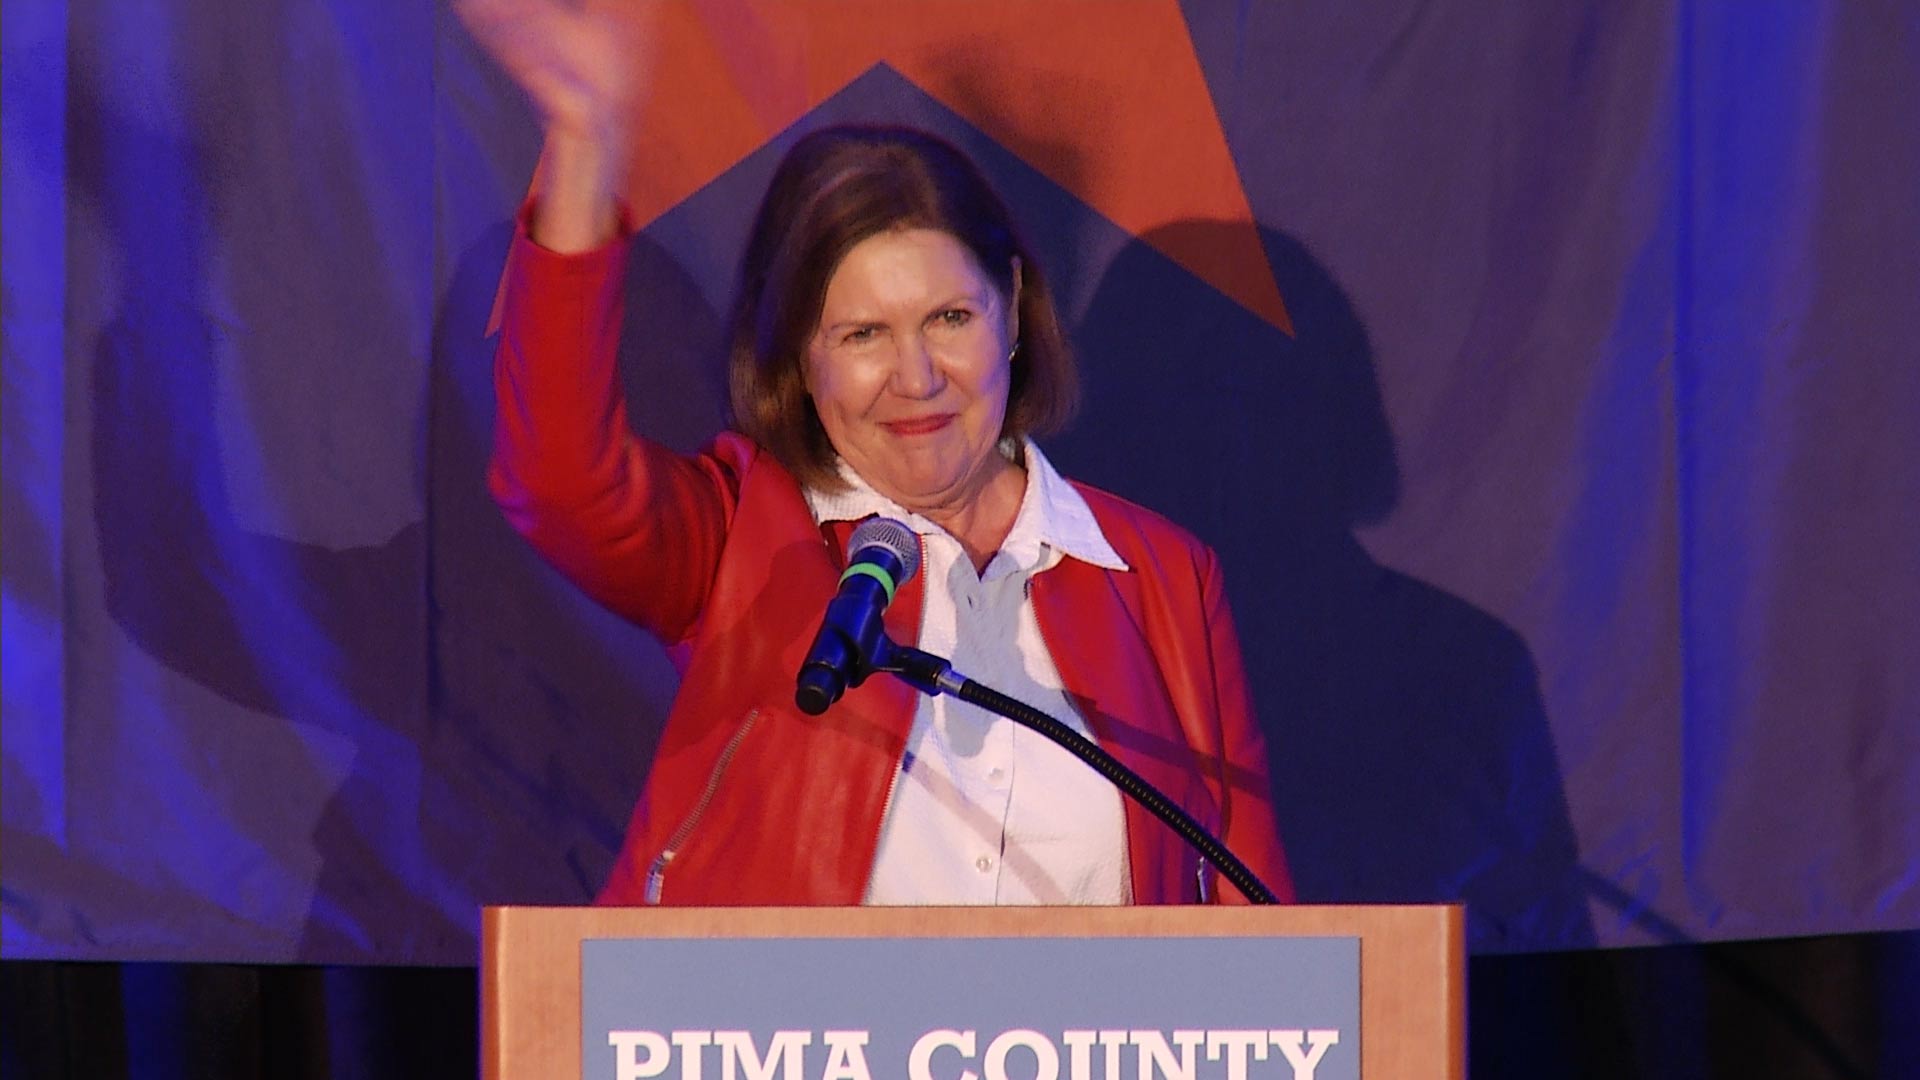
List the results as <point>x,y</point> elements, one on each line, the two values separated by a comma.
<point>919,425</point>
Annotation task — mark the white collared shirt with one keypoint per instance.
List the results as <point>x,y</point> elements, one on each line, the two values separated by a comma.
<point>983,810</point>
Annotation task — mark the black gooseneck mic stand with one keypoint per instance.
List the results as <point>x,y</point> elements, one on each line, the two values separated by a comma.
<point>933,675</point>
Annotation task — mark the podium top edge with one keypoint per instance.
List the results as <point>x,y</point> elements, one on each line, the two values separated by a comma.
<point>1445,921</point>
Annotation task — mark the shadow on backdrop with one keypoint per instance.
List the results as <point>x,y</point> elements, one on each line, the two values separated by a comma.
<point>307,632</point>
<point>497,723</point>
<point>1411,755</point>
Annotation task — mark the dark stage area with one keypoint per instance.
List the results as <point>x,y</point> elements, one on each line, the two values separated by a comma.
<point>1839,1007</point>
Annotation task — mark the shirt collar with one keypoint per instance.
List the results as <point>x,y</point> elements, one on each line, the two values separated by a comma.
<point>1053,519</point>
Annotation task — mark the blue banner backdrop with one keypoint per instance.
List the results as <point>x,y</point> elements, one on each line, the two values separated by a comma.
<point>1571,529</point>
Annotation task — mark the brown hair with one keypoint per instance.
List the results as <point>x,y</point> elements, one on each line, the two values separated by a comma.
<point>837,187</point>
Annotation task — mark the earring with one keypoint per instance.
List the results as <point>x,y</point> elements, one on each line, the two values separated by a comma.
<point>1013,352</point>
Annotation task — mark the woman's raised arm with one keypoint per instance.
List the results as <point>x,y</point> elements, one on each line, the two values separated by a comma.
<point>636,526</point>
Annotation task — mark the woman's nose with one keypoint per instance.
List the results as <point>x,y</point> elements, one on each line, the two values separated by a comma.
<point>916,371</point>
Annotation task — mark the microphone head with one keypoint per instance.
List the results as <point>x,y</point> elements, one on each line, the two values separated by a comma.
<point>889,536</point>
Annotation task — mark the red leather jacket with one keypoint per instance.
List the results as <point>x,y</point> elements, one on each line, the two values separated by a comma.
<point>750,801</point>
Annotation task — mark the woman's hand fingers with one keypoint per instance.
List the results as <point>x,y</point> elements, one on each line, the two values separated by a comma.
<point>583,66</point>
<point>580,65</point>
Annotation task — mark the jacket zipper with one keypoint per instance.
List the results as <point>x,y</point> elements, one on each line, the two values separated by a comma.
<point>1126,829</point>
<point>657,873</point>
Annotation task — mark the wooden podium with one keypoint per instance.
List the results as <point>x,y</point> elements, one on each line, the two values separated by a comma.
<point>1412,982</point>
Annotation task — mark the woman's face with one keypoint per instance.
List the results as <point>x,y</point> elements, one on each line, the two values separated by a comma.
<point>909,369</point>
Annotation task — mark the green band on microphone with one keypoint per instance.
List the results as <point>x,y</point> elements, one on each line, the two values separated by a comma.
<point>885,579</point>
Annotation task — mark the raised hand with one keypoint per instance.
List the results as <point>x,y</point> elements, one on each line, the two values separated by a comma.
<point>584,67</point>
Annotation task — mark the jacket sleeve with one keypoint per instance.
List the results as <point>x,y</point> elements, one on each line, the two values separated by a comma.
<point>1248,826</point>
<point>636,526</point>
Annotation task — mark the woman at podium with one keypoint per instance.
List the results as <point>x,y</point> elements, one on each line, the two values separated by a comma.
<point>894,351</point>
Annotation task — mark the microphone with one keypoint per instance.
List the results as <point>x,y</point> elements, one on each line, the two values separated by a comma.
<point>882,556</point>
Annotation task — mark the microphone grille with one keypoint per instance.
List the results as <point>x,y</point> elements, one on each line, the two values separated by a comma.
<point>892,536</point>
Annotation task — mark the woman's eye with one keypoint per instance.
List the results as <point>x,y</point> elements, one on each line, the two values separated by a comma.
<point>857,336</point>
<point>955,317</point>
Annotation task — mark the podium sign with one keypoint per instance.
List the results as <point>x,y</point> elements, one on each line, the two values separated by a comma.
<point>1046,1008</point>
<point>1140,993</point>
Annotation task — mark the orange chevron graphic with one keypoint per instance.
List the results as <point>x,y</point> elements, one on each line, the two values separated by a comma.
<point>1104,97</point>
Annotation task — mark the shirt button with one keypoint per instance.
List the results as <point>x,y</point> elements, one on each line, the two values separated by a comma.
<point>983,864</point>
<point>996,774</point>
